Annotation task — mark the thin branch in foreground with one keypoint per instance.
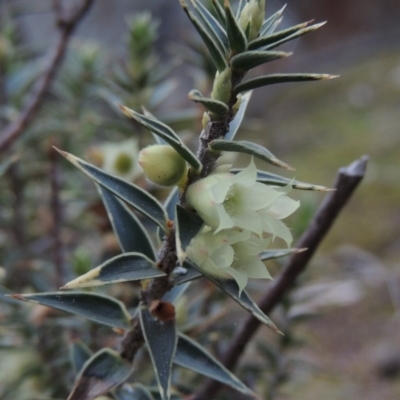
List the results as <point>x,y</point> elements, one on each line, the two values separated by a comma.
<point>347,181</point>
<point>66,26</point>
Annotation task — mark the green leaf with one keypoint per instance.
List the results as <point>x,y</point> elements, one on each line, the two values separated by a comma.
<point>277,180</point>
<point>246,147</point>
<point>158,139</point>
<point>231,288</point>
<point>240,7</point>
<point>187,226</point>
<point>216,55</point>
<point>165,132</point>
<point>278,78</point>
<point>7,163</point>
<point>175,292</point>
<point>102,309</point>
<point>156,395</point>
<point>102,372</point>
<point>161,341</point>
<point>212,25</point>
<point>171,202</point>
<point>79,353</point>
<point>122,268</point>
<point>192,355</point>
<point>133,392</point>
<point>283,36</point>
<point>131,194</point>
<point>237,120</point>
<point>131,234</point>
<point>236,37</point>
<point>278,253</point>
<point>219,12</point>
<point>251,59</point>
<point>270,22</point>
<point>215,106</point>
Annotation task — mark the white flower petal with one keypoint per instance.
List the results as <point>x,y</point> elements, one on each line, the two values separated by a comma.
<point>223,256</point>
<point>247,176</point>
<point>254,268</point>
<point>239,277</point>
<point>283,207</point>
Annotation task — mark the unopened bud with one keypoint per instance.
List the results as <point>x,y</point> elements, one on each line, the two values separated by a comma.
<point>222,88</point>
<point>205,120</point>
<point>162,165</point>
<point>236,106</point>
<point>252,17</point>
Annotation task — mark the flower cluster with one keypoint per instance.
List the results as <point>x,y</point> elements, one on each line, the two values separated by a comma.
<point>242,218</point>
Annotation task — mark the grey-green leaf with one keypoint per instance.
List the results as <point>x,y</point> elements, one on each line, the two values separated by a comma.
<point>175,292</point>
<point>251,59</point>
<point>181,277</point>
<point>166,133</point>
<point>79,353</point>
<point>133,392</point>
<point>215,106</point>
<point>236,37</point>
<point>216,54</point>
<point>237,120</point>
<point>246,147</point>
<point>277,180</point>
<point>295,35</point>
<point>131,234</point>
<point>122,268</point>
<point>219,11</point>
<point>230,287</point>
<point>99,308</point>
<point>192,355</point>
<point>269,22</point>
<point>278,253</point>
<point>212,25</point>
<point>131,194</point>
<point>161,339</point>
<point>188,225</point>
<point>101,373</point>
<point>278,78</point>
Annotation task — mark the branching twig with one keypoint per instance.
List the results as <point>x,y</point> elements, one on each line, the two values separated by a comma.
<point>346,182</point>
<point>66,25</point>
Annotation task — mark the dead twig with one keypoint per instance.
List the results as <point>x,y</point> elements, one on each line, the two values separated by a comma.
<point>347,180</point>
<point>66,24</point>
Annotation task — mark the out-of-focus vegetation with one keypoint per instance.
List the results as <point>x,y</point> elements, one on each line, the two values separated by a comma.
<point>340,323</point>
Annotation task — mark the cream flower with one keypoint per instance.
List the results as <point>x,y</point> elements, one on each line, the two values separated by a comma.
<point>229,254</point>
<point>226,201</point>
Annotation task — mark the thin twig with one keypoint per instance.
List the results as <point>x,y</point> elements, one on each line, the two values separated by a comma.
<point>347,180</point>
<point>66,26</point>
<point>56,210</point>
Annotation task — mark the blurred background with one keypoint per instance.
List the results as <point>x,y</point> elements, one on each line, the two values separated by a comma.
<point>341,322</point>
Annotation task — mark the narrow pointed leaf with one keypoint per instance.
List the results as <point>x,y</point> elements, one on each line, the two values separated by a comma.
<point>237,120</point>
<point>216,55</point>
<point>236,37</point>
<point>278,253</point>
<point>277,36</point>
<point>187,226</point>
<point>268,23</point>
<point>212,25</point>
<point>139,199</point>
<point>122,268</point>
<point>251,59</point>
<point>133,392</point>
<point>215,106</point>
<point>278,78</point>
<point>171,202</point>
<point>131,234</point>
<point>4,165</point>
<point>161,339</point>
<point>277,180</point>
<point>102,309</point>
<point>79,353</point>
<point>166,133</point>
<point>156,395</point>
<point>190,275</point>
<point>240,7</point>
<point>175,293</point>
<point>230,287</point>
<point>192,355</point>
<point>158,139</point>
<point>219,11</point>
<point>246,147</point>
<point>102,372</point>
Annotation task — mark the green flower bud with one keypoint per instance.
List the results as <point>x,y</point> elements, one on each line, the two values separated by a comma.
<point>205,120</point>
<point>162,165</point>
<point>252,17</point>
<point>236,106</point>
<point>222,88</point>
